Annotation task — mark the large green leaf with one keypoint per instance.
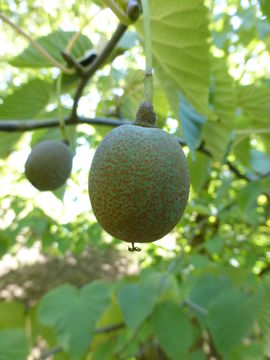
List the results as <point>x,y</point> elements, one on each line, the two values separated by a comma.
<point>217,134</point>
<point>73,314</point>
<point>54,43</point>
<point>230,319</point>
<point>26,101</point>
<point>136,303</point>
<point>180,50</point>
<point>13,345</point>
<point>173,330</point>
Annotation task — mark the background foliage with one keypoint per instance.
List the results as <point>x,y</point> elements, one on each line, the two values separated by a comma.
<point>202,291</point>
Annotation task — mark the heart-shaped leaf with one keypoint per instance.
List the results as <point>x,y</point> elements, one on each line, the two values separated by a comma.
<point>73,314</point>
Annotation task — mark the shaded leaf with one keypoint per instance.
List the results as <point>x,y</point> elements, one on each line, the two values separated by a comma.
<point>173,330</point>
<point>230,319</point>
<point>191,123</point>
<point>13,344</point>
<point>136,303</point>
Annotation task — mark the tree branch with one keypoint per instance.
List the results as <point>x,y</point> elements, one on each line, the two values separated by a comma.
<point>29,125</point>
<point>96,64</point>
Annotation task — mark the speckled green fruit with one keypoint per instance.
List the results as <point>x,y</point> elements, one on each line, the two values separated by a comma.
<point>138,183</point>
<point>49,165</point>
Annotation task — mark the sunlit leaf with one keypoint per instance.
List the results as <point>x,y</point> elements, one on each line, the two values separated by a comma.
<point>54,43</point>
<point>180,50</point>
<point>26,101</point>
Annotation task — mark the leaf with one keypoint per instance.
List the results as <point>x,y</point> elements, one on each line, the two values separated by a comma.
<point>264,314</point>
<point>242,150</point>
<point>133,94</point>
<point>8,143</point>
<point>265,6</point>
<point>230,319</point>
<point>54,43</point>
<point>136,303</point>
<point>205,288</point>
<point>247,196</point>
<point>217,134</point>
<point>4,245</point>
<point>73,314</point>
<point>199,170</point>
<point>12,314</point>
<point>180,50</point>
<point>215,244</point>
<point>247,352</point>
<point>260,162</point>
<point>255,103</point>
<point>13,344</point>
<point>26,101</point>
<point>191,122</point>
<point>173,330</point>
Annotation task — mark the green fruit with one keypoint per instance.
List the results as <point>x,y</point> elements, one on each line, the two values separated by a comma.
<point>138,183</point>
<point>49,165</point>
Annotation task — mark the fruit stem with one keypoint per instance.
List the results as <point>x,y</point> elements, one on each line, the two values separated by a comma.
<point>62,124</point>
<point>118,12</point>
<point>148,80</point>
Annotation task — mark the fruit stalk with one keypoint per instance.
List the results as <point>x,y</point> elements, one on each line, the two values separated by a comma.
<point>148,81</point>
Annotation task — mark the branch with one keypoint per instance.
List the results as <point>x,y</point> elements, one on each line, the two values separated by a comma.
<point>110,328</point>
<point>96,64</point>
<point>237,172</point>
<point>36,45</point>
<point>28,125</point>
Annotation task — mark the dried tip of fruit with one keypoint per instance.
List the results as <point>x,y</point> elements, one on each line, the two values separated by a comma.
<point>133,10</point>
<point>145,115</point>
